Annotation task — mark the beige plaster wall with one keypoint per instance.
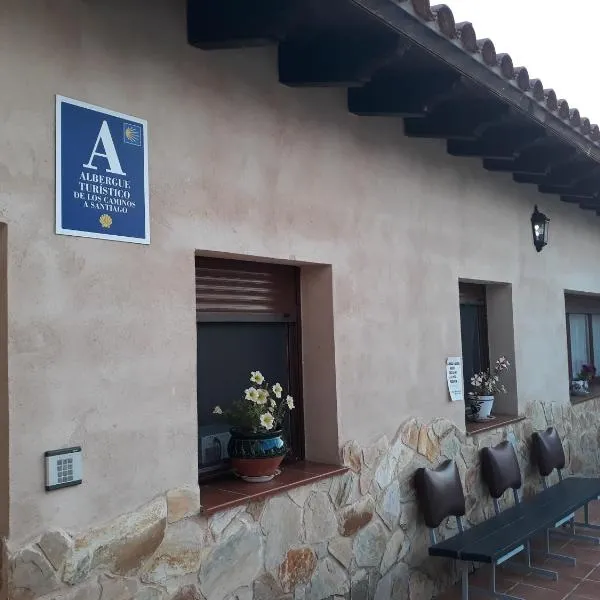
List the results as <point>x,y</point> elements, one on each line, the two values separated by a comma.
<point>101,334</point>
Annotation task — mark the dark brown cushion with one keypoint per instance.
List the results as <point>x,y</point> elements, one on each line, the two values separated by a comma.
<point>548,452</point>
<point>439,493</point>
<point>500,468</point>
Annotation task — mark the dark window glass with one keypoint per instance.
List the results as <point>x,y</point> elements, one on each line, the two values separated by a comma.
<point>473,331</point>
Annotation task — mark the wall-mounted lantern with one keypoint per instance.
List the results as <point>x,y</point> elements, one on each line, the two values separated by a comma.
<point>539,228</point>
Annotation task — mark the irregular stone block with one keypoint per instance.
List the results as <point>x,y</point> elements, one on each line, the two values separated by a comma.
<point>31,575</point>
<point>266,587</point>
<point>177,555</point>
<point>122,545</point>
<point>255,509</point>
<point>329,579</point>
<point>219,522</point>
<point>297,568</point>
<point>428,445</point>
<point>385,472</point>
<point>345,490</point>
<point>244,593</point>
<point>372,454</point>
<point>300,494</point>
<point>341,549</point>
<point>117,588</point>
<point>410,434</point>
<point>366,480</point>
<point>189,592</point>
<point>355,517</point>
<point>442,428</point>
<point>182,502</point>
<point>56,546</point>
<point>281,522</point>
<point>388,506</point>
<point>149,593</point>
<point>231,564</point>
<point>369,545</point>
<point>320,523</point>
<point>393,551</point>
<point>89,591</point>
<point>420,587</point>
<point>394,584</point>
<point>351,456</point>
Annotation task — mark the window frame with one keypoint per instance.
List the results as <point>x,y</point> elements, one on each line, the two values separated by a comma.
<point>294,360</point>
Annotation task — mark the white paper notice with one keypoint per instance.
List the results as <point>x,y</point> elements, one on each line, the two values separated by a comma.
<point>454,375</point>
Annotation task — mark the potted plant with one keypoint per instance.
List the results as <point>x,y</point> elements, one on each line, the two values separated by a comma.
<point>485,385</point>
<point>580,386</point>
<point>256,447</point>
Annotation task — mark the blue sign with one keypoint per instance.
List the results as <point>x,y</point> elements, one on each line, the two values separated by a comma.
<point>101,173</point>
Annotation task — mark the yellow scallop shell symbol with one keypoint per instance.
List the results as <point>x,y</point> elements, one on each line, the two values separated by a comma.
<point>106,221</point>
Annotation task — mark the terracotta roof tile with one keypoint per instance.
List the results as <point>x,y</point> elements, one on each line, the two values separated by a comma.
<point>440,17</point>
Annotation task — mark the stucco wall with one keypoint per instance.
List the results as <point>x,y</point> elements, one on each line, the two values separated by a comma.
<point>101,334</point>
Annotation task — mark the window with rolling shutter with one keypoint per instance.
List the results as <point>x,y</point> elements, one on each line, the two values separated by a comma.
<point>247,317</point>
<point>246,288</point>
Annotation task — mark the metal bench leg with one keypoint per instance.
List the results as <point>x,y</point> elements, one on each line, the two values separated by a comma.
<point>530,568</point>
<point>493,592</point>
<point>575,536</point>
<point>570,559</point>
<point>465,581</point>
<point>586,516</point>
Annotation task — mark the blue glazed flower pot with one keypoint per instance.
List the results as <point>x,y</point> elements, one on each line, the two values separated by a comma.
<point>256,457</point>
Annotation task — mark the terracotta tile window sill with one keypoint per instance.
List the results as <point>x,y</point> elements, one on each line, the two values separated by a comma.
<point>499,421</point>
<point>230,491</point>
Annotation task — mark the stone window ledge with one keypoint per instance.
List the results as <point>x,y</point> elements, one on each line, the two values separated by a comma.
<point>499,421</point>
<point>229,491</point>
<point>594,393</point>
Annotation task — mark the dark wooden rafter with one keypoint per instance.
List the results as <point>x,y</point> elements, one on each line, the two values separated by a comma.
<point>216,24</point>
<point>343,61</point>
<point>406,58</point>
<point>409,97</point>
<point>465,120</point>
<point>500,146</point>
<point>585,186</point>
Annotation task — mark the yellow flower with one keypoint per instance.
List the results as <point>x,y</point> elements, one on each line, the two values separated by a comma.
<point>263,396</point>
<point>105,221</point>
<point>256,377</point>
<point>277,389</point>
<point>267,420</point>
<point>251,394</point>
<point>290,402</point>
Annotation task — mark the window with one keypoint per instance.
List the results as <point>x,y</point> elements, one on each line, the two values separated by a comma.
<point>247,319</point>
<point>473,330</point>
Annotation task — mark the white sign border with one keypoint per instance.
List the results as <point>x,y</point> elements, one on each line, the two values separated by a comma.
<point>60,100</point>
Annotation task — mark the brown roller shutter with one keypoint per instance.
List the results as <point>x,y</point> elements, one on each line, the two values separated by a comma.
<point>244,287</point>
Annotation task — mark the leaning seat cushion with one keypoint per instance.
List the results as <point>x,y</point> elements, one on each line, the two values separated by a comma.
<point>440,493</point>
<point>548,451</point>
<point>500,469</point>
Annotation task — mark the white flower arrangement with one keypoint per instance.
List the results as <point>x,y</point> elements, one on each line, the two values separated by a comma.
<point>487,383</point>
<point>259,411</point>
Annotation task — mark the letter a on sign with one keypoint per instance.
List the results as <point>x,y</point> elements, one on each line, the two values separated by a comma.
<point>102,186</point>
<point>110,152</point>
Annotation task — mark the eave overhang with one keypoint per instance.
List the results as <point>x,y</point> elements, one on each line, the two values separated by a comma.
<point>405,58</point>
